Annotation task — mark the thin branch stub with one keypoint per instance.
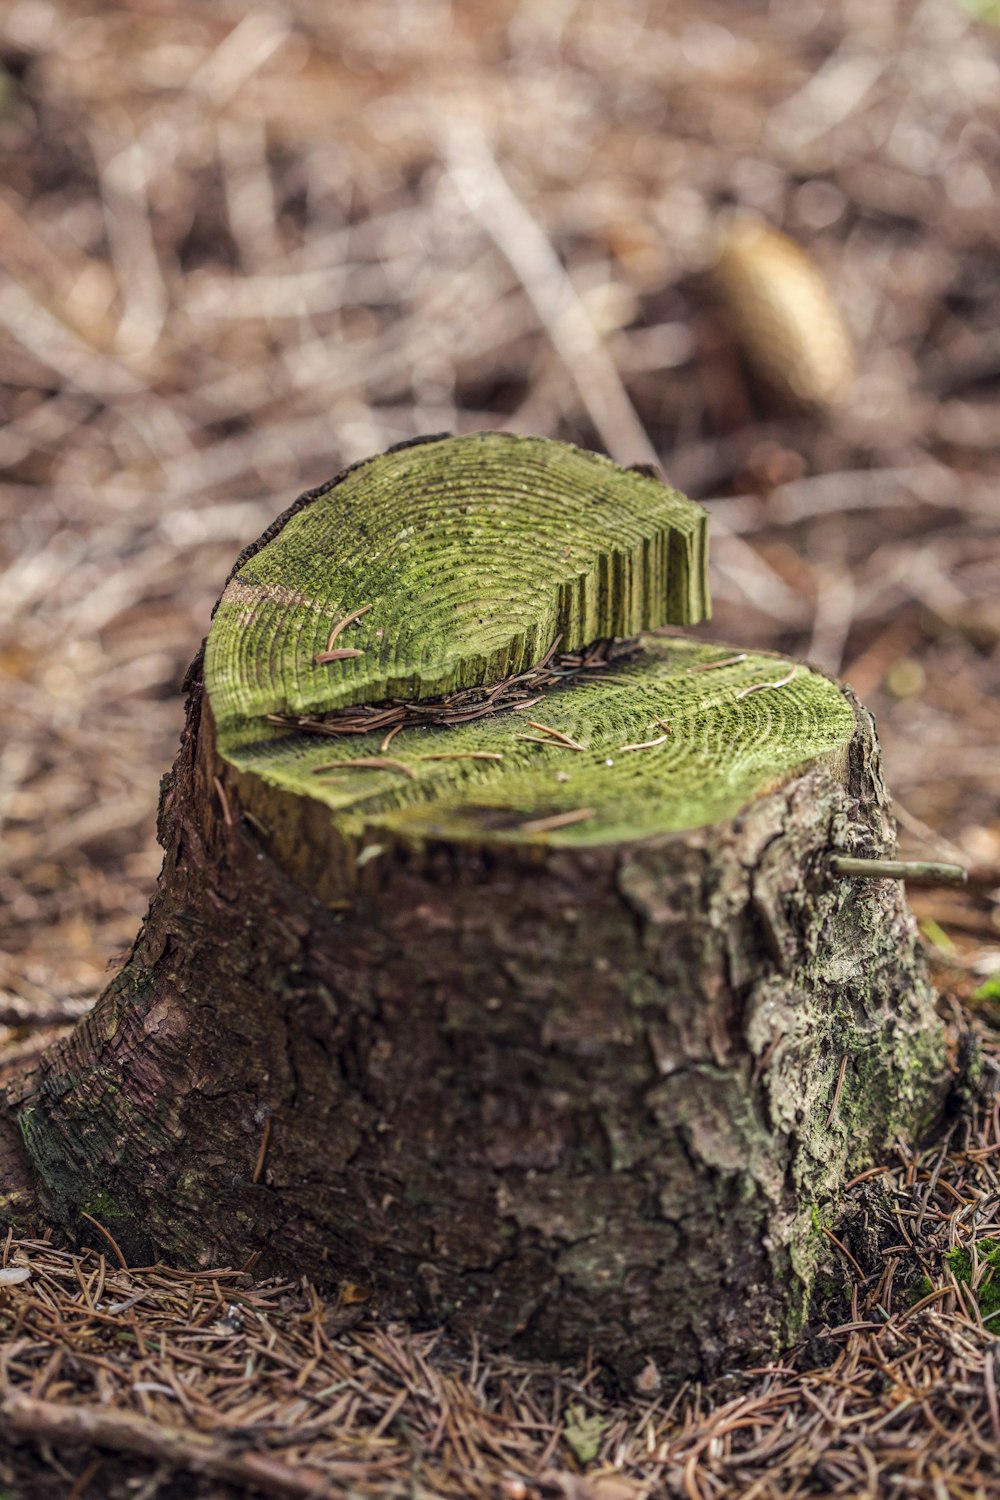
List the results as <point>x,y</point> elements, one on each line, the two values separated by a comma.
<point>914,871</point>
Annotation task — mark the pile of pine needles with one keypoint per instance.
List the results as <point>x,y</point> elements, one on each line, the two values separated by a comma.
<point>171,1377</point>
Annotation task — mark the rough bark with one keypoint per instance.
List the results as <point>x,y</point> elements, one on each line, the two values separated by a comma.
<point>563,1093</point>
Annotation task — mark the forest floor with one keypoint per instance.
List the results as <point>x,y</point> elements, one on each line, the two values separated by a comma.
<point>240,247</point>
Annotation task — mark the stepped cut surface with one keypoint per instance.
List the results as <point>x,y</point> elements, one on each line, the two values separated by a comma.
<point>469,556</point>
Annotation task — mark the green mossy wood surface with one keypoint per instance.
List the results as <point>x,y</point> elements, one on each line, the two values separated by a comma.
<point>472,556</point>
<point>731,736</point>
<point>571,1047</point>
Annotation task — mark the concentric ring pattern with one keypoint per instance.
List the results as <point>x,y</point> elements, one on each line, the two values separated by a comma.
<point>463,559</point>
<point>472,555</point>
<point>736,730</point>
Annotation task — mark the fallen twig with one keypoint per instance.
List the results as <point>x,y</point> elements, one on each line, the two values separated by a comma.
<point>225,1458</point>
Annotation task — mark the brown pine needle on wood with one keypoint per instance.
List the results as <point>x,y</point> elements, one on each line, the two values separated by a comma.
<point>836,1092</point>
<point>843,1250</point>
<point>465,755</point>
<point>759,687</point>
<point>558,820</point>
<point>367,763</point>
<point>645,744</point>
<point>107,1235</point>
<point>342,625</point>
<point>220,792</point>
<point>258,1170</point>
<point>557,734</point>
<point>541,739</point>
<point>340,653</point>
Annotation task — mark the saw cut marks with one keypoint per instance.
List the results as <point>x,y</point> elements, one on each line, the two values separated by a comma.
<point>628,777</point>
<point>463,560</point>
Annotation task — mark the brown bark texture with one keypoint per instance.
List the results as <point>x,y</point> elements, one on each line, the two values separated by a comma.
<point>565,1097</point>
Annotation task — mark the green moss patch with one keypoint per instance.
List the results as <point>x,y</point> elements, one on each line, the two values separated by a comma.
<point>987,1291</point>
<point>724,746</point>
<point>469,557</point>
<point>457,564</point>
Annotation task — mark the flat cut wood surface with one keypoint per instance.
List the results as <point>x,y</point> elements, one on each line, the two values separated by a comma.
<point>470,556</point>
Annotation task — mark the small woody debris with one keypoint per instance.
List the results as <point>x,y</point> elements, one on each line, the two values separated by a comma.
<point>758,687</point>
<point>322,657</point>
<point>367,763</point>
<point>913,871</point>
<point>558,820</point>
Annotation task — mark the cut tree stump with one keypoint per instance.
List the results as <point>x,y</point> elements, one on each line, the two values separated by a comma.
<point>497,963</point>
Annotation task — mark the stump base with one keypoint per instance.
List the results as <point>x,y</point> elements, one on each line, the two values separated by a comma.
<point>569,1098</point>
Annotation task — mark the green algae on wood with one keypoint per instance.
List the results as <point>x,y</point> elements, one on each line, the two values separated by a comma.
<point>474,554</point>
<point>458,563</point>
<point>724,746</point>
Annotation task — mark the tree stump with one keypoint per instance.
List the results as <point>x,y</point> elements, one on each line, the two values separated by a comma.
<point>497,962</point>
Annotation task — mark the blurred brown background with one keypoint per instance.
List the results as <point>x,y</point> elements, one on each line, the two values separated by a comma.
<point>240,247</point>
